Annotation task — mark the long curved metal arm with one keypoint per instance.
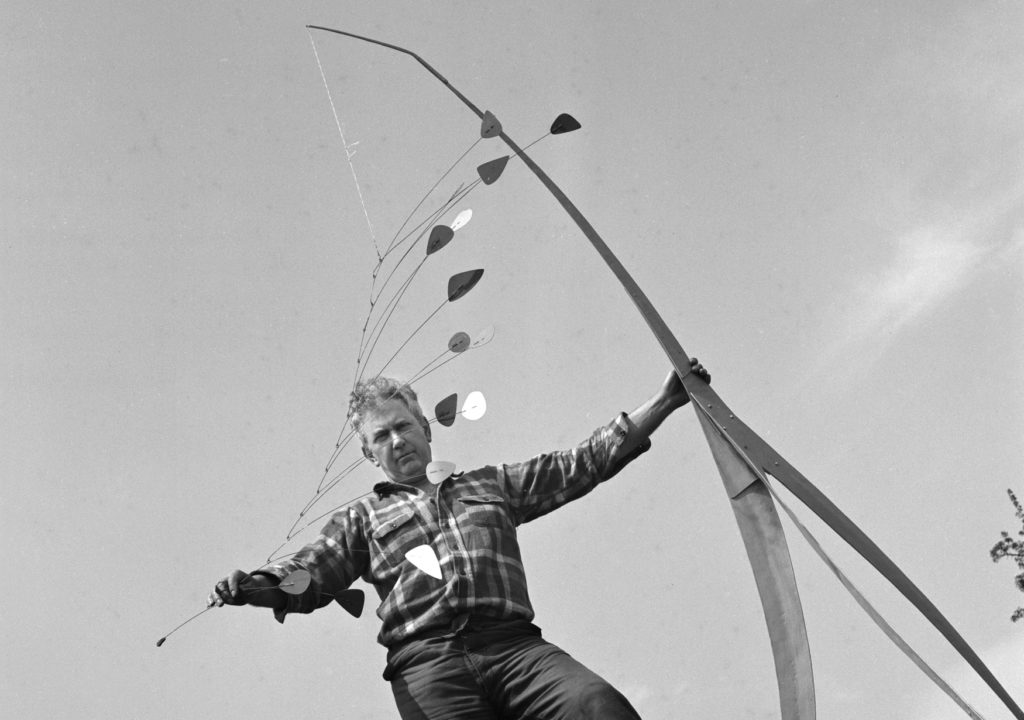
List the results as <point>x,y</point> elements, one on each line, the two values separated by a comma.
<point>733,442</point>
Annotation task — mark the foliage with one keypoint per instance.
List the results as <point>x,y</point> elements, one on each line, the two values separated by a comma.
<point>1013,548</point>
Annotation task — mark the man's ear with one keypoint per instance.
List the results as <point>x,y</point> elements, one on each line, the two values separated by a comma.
<point>426,430</point>
<point>369,455</point>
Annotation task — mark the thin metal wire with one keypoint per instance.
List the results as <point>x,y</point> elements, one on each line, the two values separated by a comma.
<point>349,153</point>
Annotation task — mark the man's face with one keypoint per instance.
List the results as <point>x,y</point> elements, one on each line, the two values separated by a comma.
<point>397,441</point>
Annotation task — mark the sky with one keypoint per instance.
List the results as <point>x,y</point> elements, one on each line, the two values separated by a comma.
<point>823,200</point>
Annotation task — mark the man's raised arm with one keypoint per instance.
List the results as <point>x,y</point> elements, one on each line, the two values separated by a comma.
<point>669,398</point>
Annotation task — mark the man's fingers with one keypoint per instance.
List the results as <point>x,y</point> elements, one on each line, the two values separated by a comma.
<point>699,370</point>
<point>215,599</point>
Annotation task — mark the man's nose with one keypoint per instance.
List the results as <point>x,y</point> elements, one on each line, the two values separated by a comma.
<point>397,439</point>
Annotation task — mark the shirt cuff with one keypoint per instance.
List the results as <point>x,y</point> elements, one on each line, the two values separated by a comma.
<point>627,444</point>
<point>277,575</point>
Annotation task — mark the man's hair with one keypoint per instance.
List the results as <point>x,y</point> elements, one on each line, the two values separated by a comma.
<point>368,395</point>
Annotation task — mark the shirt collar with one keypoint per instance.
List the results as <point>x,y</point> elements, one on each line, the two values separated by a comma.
<point>386,487</point>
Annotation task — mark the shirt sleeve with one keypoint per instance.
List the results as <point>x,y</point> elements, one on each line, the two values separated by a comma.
<point>548,481</point>
<point>334,561</point>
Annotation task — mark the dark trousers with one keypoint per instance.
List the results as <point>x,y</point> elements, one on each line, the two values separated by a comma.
<point>498,671</point>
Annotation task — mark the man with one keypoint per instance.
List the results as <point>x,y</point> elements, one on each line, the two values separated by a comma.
<point>462,646</point>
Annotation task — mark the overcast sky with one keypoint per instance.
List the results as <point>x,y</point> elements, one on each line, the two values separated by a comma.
<point>823,200</point>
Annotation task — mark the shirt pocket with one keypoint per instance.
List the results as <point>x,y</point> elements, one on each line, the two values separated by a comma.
<point>485,510</point>
<point>391,537</point>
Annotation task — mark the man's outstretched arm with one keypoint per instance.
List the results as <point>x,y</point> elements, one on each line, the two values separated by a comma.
<point>669,398</point>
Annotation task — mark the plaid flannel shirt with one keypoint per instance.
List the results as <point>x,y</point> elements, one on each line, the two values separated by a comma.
<point>469,520</point>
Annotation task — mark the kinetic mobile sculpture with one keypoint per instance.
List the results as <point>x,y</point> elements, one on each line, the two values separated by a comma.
<point>745,461</point>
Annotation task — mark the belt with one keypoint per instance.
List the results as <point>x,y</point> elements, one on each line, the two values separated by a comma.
<point>460,625</point>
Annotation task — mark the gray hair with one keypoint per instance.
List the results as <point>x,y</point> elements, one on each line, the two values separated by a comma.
<point>368,395</point>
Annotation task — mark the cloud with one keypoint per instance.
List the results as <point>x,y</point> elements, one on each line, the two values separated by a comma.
<point>929,265</point>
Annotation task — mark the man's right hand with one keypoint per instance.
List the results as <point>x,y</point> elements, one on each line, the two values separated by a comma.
<point>230,590</point>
